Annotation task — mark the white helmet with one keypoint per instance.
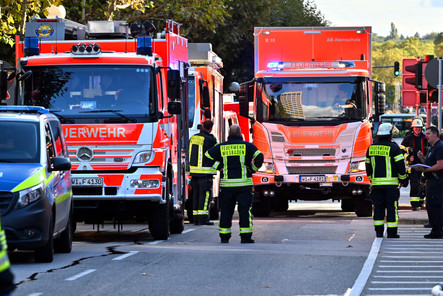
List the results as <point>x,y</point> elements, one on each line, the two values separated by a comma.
<point>417,123</point>
<point>386,129</point>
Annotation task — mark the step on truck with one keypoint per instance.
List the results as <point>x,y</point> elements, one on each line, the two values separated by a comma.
<point>312,98</point>
<point>109,83</point>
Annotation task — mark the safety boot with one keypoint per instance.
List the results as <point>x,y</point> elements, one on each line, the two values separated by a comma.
<point>246,238</point>
<point>379,229</point>
<point>392,233</point>
<point>224,238</point>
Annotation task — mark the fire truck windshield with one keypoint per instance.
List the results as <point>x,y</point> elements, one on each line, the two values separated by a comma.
<point>316,99</point>
<point>93,93</point>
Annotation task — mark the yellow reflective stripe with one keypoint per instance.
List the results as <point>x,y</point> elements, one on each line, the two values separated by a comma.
<point>399,158</point>
<point>392,224</point>
<point>256,154</point>
<point>373,166</point>
<point>402,177</point>
<point>224,230</point>
<point>209,156</point>
<point>205,206</point>
<point>388,167</point>
<point>202,170</point>
<point>4,260</point>
<point>254,167</point>
<point>379,222</point>
<point>33,180</point>
<point>245,230</point>
<point>243,167</point>
<point>368,160</point>
<point>63,197</point>
<point>236,182</point>
<point>384,181</point>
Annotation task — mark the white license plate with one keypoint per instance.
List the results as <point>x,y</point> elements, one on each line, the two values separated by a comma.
<point>87,181</point>
<point>312,179</point>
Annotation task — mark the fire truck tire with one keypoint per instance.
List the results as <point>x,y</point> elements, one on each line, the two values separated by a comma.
<point>188,206</point>
<point>347,205</point>
<point>45,254</point>
<point>177,224</point>
<point>261,208</point>
<point>63,244</point>
<point>363,207</point>
<point>280,204</point>
<point>159,221</point>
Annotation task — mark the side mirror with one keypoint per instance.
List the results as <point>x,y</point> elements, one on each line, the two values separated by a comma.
<point>174,84</point>
<point>60,164</point>
<point>207,113</point>
<point>206,101</point>
<point>174,107</point>
<point>380,87</point>
<point>379,98</point>
<point>160,115</point>
<point>246,93</point>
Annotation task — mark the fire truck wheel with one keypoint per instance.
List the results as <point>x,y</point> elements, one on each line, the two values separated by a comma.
<point>46,253</point>
<point>280,204</point>
<point>261,208</point>
<point>188,206</point>
<point>159,221</point>
<point>177,224</point>
<point>363,207</point>
<point>63,244</point>
<point>347,205</point>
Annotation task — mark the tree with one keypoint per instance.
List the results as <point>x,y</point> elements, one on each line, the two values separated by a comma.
<point>393,35</point>
<point>438,38</point>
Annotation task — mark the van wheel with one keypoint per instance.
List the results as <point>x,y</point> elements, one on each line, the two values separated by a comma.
<point>46,252</point>
<point>64,243</point>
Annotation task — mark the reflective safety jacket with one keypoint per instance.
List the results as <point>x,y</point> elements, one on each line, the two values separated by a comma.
<point>199,164</point>
<point>385,164</point>
<point>238,160</point>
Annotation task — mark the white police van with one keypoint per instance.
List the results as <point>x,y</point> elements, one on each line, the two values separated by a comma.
<point>35,182</point>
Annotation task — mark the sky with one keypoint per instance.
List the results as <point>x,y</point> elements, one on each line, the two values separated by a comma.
<point>408,16</point>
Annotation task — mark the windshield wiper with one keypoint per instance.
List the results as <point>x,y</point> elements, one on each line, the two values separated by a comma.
<point>116,112</point>
<point>61,118</point>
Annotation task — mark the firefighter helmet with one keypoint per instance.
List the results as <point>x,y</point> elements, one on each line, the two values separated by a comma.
<point>386,129</point>
<point>417,123</point>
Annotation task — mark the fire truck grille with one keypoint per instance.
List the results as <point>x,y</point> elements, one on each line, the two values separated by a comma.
<point>102,155</point>
<point>312,170</point>
<point>312,152</point>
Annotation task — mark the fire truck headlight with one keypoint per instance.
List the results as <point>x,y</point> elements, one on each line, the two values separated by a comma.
<point>143,157</point>
<point>267,167</point>
<point>137,183</point>
<point>357,166</point>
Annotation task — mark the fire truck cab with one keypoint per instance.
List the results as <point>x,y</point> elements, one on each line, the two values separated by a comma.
<point>109,82</point>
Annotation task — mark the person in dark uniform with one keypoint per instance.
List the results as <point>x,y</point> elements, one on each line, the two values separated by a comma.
<point>434,182</point>
<point>415,144</point>
<point>201,171</point>
<point>6,277</point>
<point>238,159</point>
<point>386,169</point>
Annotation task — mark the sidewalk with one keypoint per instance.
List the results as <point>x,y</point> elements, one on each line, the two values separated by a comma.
<point>405,213</point>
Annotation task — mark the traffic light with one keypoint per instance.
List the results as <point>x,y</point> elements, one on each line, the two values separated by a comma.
<point>412,73</point>
<point>432,94</point>
<point>396,68</point>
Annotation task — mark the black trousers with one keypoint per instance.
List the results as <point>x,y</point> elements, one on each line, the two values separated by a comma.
<point>385,202</point>
<point>201,196</point>
<point>434,205</point>
<point>228,198</point>
<point>416,197</point>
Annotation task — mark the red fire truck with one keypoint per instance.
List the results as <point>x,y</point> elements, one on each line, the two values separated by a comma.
<point>312,111</point>
<point>109,84</point>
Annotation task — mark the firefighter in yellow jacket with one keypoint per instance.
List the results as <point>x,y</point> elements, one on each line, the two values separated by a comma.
<point>238,160</point>
<point>6,276</point>
<point>386,169</point>
<point>201,171</point>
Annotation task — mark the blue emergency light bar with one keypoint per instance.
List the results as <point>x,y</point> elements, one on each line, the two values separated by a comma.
<point>144,45</point>
<point>23,109</point>
<point>31,47</point>
<point>310,65</point>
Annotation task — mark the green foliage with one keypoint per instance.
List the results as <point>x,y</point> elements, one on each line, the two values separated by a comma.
<point>386,53</point>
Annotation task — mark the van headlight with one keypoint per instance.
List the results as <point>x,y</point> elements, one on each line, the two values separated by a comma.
<point>143,157</point>
<point>29,196</point>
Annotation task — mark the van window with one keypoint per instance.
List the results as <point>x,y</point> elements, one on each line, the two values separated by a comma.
<point>49,143</point>
<point>58,139</point>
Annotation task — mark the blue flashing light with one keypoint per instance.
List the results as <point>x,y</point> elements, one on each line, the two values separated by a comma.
<point>31,46</point>
<point>144,45</point>
<point>275,65</point>
<point>23,109</point>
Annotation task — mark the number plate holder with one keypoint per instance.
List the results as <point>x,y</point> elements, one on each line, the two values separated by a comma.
<point>304,179</point>
<point>94,182</point>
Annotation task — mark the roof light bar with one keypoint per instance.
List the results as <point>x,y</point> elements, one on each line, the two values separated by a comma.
<point>144,45</point>
<point>310,65</point>
<point>83,49</point>
<point>24,109</point>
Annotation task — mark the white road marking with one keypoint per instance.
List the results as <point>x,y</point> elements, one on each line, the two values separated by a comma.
<point>125,255</point>
<point>79,275</point>
<point>156,242</point>
<point>188,230</point>
<point>367,268</point>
